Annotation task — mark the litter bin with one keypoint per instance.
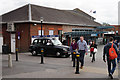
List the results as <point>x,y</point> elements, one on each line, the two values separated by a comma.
<point>5,49</point>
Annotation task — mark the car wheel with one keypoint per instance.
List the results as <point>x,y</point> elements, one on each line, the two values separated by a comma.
<point>34,53</point>
<point>45,55</point>
<point>68,55</point>
<point>58,54</point>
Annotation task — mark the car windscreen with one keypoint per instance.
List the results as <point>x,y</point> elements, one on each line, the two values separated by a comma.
<point>56,42</point>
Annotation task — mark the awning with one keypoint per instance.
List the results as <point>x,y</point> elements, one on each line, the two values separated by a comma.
<point>104,27</point>
<point>82,33</point>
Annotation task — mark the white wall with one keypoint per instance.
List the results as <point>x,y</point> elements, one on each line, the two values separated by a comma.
<point>1,43</point>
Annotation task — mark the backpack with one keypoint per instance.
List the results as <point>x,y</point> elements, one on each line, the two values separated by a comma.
<point>112,53</point>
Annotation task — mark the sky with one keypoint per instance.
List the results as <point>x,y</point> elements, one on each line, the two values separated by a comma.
<point>106,10</point>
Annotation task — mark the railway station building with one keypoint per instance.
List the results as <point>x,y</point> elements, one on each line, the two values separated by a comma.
<point>22,25</point>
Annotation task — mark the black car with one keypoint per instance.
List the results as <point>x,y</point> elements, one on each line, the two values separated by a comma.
<point>51,46</point>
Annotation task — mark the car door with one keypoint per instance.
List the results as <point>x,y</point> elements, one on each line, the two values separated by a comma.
<point>41,45</point>
<point>44,46</point>
<point>50,47</point>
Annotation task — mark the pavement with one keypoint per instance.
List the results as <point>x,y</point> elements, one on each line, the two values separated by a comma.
<point>29,66</point>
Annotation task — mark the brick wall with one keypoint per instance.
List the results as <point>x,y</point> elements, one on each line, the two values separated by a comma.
<point>6,36</point>
<point>117,28</point>
<point>69,28</point>
<point>24,42</point>
<point>46,27</point>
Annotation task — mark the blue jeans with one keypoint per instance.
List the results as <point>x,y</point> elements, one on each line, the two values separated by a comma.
<point>118,58</point>
<point>113,62</point>
<point>82,54</point>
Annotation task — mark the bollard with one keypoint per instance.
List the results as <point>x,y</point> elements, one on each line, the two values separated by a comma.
<point>9,60</point>
<point>42,56</point>
<point>16,54</point>
<point>74,58</point>
<point>77,66</point>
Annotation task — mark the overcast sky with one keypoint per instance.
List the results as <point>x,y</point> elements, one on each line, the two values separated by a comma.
<point>106,10</point>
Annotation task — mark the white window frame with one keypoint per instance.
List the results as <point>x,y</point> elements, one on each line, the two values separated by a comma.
<point>51,32</point>
<point>39,32</point>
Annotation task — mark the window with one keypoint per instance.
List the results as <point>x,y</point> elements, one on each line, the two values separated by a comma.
<point>60,34</point>
<point>39,32</point>
<point>101,35</point>
<point>56,42</point>
<point>51,32</point>
<point>35,41</point>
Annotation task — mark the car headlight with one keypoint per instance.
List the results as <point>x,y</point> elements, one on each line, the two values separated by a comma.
<point>64,49</point>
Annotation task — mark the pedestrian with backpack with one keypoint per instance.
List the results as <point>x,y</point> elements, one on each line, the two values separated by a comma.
<point>111,52</point>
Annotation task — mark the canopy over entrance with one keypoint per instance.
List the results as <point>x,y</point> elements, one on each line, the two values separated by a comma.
<point>77,33</point>
<point>90,33</point>
<point>104,27</point>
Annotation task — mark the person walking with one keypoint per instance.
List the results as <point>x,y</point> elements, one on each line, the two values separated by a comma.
<point>73,47</point>
<point>109,49</point>
<point>118,59</point>
<point>82,49</point>
<point>64,42</point>
<point>93,49</point>
<point>116,43</point>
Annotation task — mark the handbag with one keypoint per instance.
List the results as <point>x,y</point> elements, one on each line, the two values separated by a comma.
<point>95,50</point>
<point>91,49</point>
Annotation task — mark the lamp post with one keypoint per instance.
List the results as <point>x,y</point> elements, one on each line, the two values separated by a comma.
<point>41,20</point>
<point>42,55</point>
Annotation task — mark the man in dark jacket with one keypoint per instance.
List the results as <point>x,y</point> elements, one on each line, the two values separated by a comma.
<point>106,52</point>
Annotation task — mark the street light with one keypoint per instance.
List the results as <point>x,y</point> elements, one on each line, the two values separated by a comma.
<point>42,55</point>
<point>41,20</point>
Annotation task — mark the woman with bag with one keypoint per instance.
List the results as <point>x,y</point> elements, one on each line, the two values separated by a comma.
<point>73,47</point>
<point>93,50</point>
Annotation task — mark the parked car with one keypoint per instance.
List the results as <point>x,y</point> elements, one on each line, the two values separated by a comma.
<point>51,46</point>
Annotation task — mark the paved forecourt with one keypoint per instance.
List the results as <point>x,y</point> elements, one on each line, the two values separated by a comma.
<point>29,67</point>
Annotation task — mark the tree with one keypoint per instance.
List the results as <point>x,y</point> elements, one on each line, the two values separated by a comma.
<point>105,24</point>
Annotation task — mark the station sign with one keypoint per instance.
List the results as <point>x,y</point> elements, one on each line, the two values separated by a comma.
<point>93,34</point>
<point>45,36</point>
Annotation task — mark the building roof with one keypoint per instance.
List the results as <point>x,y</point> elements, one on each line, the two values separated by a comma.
<point>20,14</point>
<point>33,13</point>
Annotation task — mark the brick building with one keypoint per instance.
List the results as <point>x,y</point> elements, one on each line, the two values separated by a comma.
<point>20,25</point>
<point>116,32</point>
<point>111,31</point>
<point>117,29</point>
